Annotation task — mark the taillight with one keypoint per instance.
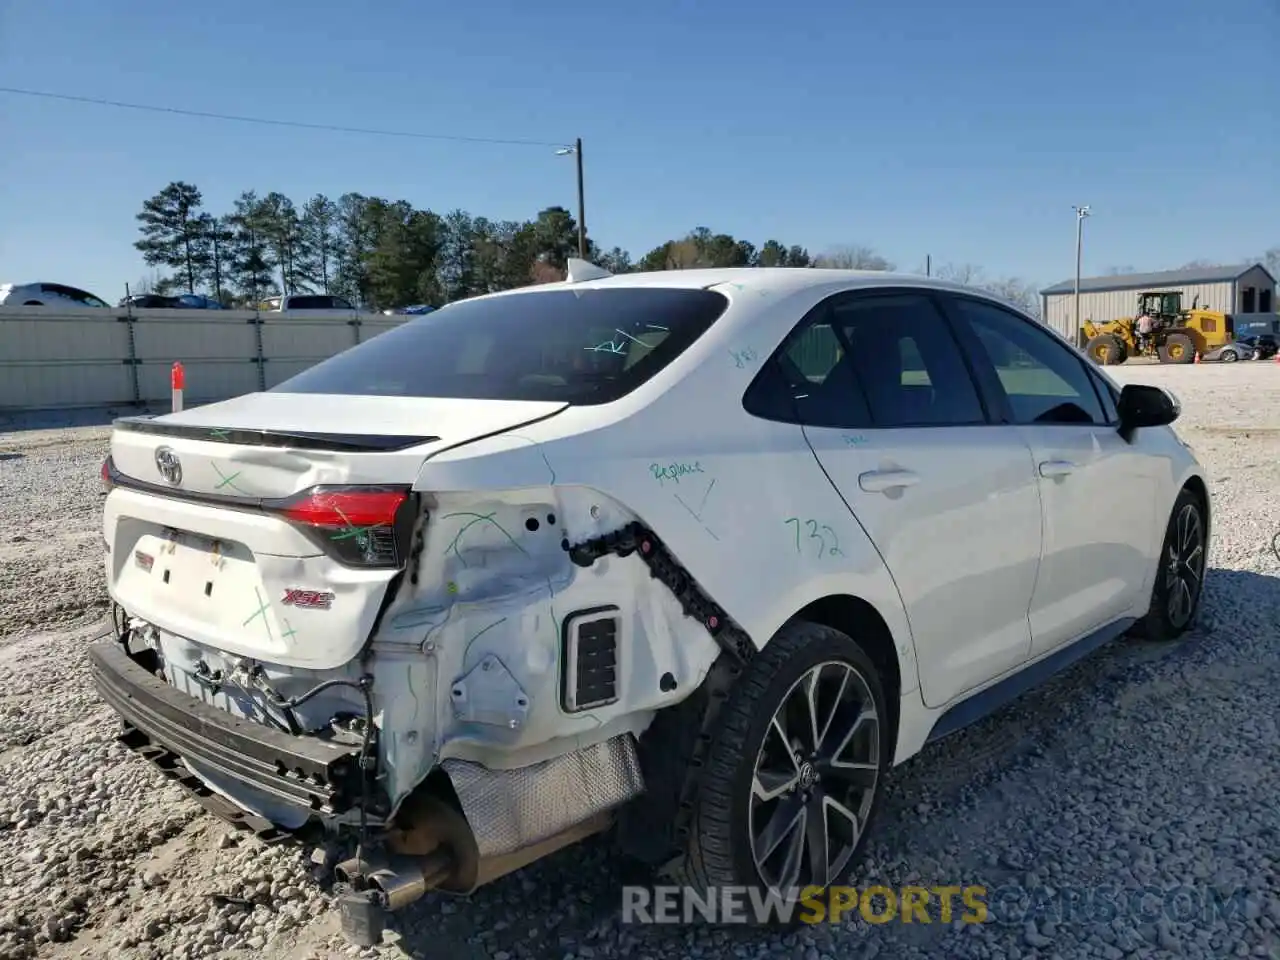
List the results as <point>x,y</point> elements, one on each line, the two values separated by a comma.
<point>362,526</point>
<point>106,476</point>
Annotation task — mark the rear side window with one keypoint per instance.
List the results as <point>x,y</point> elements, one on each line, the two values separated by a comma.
<point>868,361</point>
<point>907,362</point>
<point>578,346</point>
<point>809,381</point>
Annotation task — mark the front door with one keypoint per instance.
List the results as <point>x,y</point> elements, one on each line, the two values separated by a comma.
<point>1097,493</point>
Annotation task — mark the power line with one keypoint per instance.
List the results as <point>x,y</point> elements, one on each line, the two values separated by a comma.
<point>333,128</point>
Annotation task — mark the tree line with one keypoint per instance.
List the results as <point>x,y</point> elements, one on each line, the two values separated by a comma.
<point>384,254</point>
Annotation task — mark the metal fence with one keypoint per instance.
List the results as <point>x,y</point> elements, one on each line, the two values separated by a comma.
<point>53,358</point>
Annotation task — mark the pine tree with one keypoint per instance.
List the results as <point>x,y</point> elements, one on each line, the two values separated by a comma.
<point>251,265</point>
<point>217,241</point>
<point>171,231</point>
<point>319,244</point>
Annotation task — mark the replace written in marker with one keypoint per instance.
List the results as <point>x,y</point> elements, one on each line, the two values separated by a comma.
<point>674,471</point>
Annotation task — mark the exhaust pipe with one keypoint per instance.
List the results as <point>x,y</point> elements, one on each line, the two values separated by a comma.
<point>399,881</point>
<point>405,881</point>
<point>376,886</point>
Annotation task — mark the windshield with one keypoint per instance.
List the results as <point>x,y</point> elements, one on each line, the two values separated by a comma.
<point>576,346</point>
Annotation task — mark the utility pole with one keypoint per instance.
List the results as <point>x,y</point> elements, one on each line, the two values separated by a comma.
<point>928,265</point>
<point>1081,213</point>
<point>576,150</point>
<point>582,211</point>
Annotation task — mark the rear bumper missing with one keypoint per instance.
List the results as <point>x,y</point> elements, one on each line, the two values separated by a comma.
<point>163,724</point>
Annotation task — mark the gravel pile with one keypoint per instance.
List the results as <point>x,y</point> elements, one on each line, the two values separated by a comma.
<point>1141,769</point>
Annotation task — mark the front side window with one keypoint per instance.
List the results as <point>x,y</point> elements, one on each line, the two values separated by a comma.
<point>577,346</point>
<point>1109,396</point>
<point>1044,381</point>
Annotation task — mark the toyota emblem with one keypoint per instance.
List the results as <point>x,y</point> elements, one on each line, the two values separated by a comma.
<point>169,465</point>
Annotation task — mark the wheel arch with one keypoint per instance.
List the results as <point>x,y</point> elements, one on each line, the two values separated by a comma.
<point>860,620</point>
<point>1195,482</point>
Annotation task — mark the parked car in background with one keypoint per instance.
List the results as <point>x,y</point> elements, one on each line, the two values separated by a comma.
<point>1263,346</point>
<point>198,301</point>
<point>47,295</point>
<point>157,301</point>
<point>1228,353</point>
<point>305,301</point>
<point>416,310</point>
<point>149,301</point>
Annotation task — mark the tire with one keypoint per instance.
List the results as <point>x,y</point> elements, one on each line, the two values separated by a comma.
<point>1229,356</point>
<point>1257,355</point>
<point>1106,349</point>
<point>1178,348</point>
<point>728,814</point>
<point>1179,572</point>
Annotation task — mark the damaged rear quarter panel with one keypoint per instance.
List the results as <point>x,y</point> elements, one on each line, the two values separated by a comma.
<point>749,514</point>
<point>469,658</point>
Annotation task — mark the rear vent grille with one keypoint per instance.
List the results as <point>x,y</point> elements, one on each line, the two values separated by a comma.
<point>590,659</point>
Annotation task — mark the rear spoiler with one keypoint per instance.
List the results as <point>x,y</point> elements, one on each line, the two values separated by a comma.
<point>337,442</point>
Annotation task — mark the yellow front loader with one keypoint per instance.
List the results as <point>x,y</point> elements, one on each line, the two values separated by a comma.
<point>1177,335</point>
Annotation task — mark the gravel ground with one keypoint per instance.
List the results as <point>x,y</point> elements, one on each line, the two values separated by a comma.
<point>1141,768</point>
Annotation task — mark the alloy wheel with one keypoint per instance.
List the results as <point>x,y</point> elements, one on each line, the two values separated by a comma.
<point>815,780</point>
<point>1184,568</point>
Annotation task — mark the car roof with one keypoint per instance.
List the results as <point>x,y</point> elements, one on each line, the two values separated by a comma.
<point>755,279</point>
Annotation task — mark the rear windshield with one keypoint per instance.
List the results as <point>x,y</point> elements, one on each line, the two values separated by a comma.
<point>578,346</point>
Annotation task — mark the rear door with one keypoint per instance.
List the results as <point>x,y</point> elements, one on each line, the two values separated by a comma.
<point>948,498</point>
<point>1098,492</point>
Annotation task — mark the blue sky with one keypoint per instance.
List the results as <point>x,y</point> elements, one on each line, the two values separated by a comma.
<point>961,130</point>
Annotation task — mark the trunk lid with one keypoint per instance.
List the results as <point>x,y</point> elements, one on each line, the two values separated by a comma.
<point>265,445</point>
<point>199,541</point>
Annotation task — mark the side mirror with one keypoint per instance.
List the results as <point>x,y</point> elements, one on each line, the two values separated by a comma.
<point>1145,406</point>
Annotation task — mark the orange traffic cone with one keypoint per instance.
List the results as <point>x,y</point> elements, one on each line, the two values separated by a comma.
<point>1197,356</point>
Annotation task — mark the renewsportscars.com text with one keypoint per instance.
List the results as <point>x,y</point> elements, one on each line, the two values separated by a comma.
<point>1011,904</point>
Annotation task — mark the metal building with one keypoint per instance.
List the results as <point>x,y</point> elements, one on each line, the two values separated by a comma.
<point>1244,288</point>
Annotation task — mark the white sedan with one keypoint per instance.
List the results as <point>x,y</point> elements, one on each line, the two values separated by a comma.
<point>47,295</point>
<point>704,553</point>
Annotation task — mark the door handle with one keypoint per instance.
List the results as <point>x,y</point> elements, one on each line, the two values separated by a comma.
<point>882,481</point>
<point>1056,468</point>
